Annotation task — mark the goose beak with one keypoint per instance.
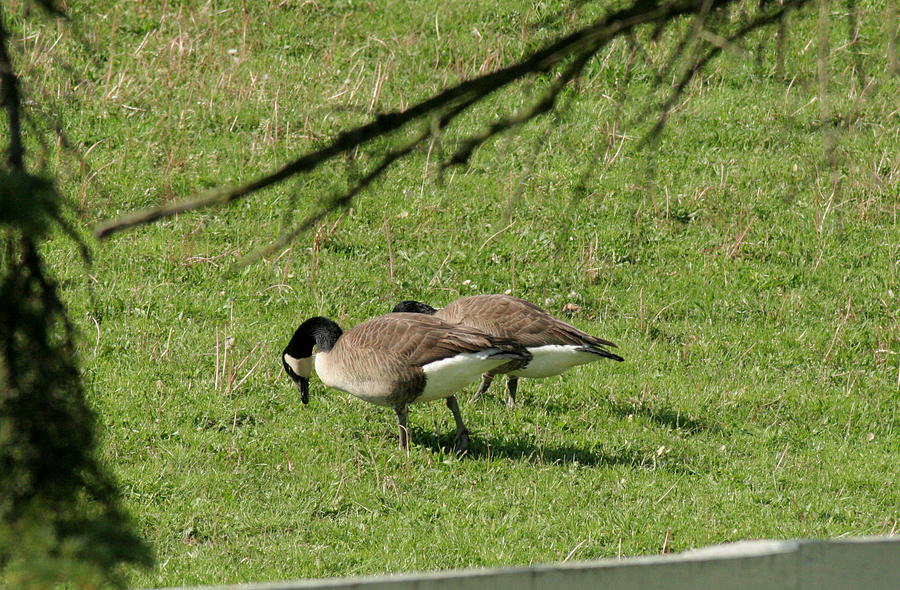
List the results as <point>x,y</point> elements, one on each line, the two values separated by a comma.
<point>303,387</point>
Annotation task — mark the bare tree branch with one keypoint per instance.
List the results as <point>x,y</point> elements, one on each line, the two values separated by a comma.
<point>464,152</point>
<point>714,50</point>
<point>346,198</point>
<point>580,44</point>
<point>690,37</point>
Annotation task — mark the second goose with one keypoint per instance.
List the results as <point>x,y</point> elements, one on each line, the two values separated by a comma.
<point>555,345</point>
<point>398,359</point>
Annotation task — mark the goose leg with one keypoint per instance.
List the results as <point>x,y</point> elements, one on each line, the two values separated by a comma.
<point>461,442</point>
<point>512,385</point>
<point>486,380</point>
<point>402,414</point>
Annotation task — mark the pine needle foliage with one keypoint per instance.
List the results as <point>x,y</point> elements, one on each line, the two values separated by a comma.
<point>60,515</point>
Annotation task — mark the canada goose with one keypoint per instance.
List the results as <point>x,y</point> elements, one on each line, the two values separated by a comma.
<point>397,359</point>
<point>554,344</point>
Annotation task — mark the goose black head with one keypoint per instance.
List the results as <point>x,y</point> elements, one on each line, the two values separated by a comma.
<point>297,357</point>
<point>410,306</point>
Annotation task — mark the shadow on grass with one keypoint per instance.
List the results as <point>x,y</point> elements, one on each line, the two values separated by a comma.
<point>663,416</point>
<point>523,448</point>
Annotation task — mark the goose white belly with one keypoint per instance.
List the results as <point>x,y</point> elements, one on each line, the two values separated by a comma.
<point>446,376</point>
<point>442,378</point>
<point>553,359</point>
<point>373,391</point>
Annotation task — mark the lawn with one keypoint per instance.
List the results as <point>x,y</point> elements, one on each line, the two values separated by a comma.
<point>747,263</point>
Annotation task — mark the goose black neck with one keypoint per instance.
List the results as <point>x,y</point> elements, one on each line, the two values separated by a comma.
<point>318,331</point>
<point>410,306</point>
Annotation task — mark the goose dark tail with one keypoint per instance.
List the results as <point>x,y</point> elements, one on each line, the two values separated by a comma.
<point>600,351</point>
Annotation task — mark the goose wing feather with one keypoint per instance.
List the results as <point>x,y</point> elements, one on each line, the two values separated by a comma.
<point>387,353</point>
<point>514,318</point>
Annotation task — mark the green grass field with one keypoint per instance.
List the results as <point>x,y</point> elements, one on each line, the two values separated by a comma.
<point>752,286</point>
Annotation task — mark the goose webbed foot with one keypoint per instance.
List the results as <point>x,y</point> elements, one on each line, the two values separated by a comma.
<point>461,443</point>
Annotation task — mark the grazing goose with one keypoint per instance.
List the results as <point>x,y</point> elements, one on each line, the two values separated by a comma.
<point>554,345</point>
<point>398,359</point>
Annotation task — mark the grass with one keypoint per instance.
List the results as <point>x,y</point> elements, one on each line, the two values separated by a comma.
<point>751,286</point>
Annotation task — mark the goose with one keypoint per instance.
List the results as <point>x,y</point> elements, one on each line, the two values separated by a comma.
<point>397,359</point>
<point>555,345</point>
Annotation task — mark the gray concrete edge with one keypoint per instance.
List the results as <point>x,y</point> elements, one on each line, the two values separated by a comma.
<point>862,562</point>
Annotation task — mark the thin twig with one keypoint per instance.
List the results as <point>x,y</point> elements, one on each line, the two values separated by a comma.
<point>574,549</point>
<point>216,378</point>
<point>236,370</point>
<point>690,37</point>
<point>250,372</point>
<point>837,330</point>
<point>494,235</point>
<point>390,249</point>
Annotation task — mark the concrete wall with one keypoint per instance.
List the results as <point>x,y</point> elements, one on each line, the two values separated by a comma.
<point>868,563</point>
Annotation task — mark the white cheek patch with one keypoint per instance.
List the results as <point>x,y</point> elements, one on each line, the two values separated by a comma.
<point>300,367</point>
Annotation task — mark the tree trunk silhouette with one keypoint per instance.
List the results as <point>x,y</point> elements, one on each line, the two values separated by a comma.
<point>57,504</point>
